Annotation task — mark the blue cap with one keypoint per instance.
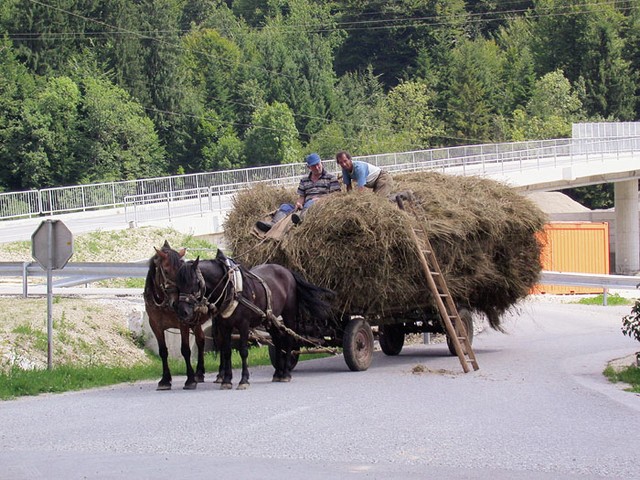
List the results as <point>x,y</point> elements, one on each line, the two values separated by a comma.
<point>312,159</point>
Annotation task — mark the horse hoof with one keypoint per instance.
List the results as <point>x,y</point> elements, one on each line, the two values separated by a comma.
<point>218,380</point>
<point>243,386</point>
<point>199,378</point>
<point>190,386</point>
<point>276,379</point>
<point>163,386</point>
<point>226,386</point>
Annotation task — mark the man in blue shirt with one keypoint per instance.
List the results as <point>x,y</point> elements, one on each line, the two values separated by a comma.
<point>365,175</point>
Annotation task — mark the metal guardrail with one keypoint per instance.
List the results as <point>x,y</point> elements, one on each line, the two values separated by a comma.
<point>74,273</point>
<point>111,195</point>
<point>621,282</point>
<point>80,273</point>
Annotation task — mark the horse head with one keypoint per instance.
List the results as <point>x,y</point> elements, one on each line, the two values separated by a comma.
<point>164,267</point>
<point>192,298</point>
<point>204,287</point>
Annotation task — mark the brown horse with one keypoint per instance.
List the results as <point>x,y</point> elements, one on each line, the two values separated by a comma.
<point>160,295</point>
<point>268,295</point>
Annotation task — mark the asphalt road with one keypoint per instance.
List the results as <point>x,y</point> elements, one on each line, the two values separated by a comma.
<point>77,223</point>
<point>538,408</point>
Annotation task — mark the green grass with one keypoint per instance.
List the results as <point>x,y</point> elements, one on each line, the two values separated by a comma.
<point>630,375</point>
<point>612,300</point>
<point>65,378</point>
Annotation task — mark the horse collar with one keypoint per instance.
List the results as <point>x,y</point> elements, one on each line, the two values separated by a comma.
<point>235,279</point>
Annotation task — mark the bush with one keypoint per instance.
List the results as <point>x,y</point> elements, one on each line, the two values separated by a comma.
<point>631,322</point>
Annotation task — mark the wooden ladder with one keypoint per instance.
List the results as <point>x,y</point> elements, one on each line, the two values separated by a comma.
<point>454,325</point>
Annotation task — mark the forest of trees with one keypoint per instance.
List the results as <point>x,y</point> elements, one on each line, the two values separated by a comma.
<point>103,90</point>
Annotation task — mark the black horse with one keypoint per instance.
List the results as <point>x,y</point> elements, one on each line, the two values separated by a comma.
<point>160,295</point>
<point>268,295</point>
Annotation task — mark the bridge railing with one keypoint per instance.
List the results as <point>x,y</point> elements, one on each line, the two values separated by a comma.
<point>515,155</point>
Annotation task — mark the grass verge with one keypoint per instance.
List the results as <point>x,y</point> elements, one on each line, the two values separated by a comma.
<point>630,375</point>
<point>612,300</point>
<point>65,378</point>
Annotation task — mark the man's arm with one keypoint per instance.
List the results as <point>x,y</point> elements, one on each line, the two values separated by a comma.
<point>359,175</point>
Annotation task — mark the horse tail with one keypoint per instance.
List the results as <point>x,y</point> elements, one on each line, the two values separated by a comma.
<point>314,302</point>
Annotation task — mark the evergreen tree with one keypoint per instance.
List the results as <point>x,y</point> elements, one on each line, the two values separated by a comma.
<point>584,40</point>
<point>295,55</point>
<point>474,91</point>
<point>390,36</point>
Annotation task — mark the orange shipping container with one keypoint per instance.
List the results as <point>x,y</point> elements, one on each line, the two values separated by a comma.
<point>581,247</point>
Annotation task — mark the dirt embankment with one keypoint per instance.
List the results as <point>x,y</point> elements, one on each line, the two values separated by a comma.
<point>86,330</point>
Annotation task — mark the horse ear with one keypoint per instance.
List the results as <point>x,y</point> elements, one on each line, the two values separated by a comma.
<point>196,262</point>
<point>182,252</point>
<point>220,255</point>
<point>162,254</point>
<point>166,244</point>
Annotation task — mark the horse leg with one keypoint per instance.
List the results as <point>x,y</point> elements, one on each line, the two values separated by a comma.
<point>185,349</point>
<point>286,359</point>
<point>163,351</point>
<point>217,346</point>
<point>285,344</point>
<point>199,334</point>
<point>243,349</point>
<point>225,359</point>
<point>280,356</point>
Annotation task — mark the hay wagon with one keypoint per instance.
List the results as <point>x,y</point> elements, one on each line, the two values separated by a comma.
<point>485,235</point>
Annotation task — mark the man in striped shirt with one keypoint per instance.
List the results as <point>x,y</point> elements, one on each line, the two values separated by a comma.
<point>313,187</point>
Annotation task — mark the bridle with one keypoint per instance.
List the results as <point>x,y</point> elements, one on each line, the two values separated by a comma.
<point>166,286</point>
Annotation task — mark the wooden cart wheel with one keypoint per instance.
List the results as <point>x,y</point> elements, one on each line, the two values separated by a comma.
<point>467,318</point>
<point>357,344</point>
<point>293,359</point>
<point>391,338</point>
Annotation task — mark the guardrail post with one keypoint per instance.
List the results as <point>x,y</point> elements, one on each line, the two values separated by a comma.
<point>169,205</point>
<point>605,291</point>
<point>25,283</point>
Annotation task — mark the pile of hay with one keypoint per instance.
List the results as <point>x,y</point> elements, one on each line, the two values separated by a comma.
<point>484,234</point>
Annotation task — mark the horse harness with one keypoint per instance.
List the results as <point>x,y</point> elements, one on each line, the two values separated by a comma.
<point>231,295</point>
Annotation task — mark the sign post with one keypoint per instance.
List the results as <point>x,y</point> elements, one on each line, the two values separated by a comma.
<point>51,247</point>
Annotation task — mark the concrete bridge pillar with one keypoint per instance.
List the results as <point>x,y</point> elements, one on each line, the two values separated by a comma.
<point>627,227</point>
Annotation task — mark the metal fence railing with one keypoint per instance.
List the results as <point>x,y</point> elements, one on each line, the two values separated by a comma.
<point>476,158</point>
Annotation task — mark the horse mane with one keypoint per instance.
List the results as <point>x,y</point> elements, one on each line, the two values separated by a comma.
<point>185,273</point>
<point>149,286</point>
